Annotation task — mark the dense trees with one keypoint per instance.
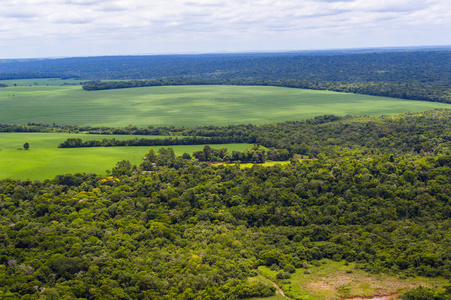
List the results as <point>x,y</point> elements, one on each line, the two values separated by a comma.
<point>203,228</point>
<point>377,193</point>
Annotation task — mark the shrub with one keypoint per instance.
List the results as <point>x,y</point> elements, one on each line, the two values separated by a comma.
<point>283,275</point>
<point>289,268</point>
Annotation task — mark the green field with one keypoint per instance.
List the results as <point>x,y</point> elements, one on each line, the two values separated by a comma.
<point>186,105</point>
<point>44,160</point>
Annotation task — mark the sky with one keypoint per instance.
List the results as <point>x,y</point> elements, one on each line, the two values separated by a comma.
<point>66,28</point>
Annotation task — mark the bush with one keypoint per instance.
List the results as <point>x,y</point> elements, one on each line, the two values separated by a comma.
<point>283,275</point>
<point>289,268</point>
<point>336,257</point>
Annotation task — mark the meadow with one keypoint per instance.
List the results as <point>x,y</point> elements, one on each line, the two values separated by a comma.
<point>185,105</point>
<point>44,160</point>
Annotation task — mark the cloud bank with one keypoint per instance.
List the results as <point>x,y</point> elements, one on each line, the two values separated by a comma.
<point>41,28</point>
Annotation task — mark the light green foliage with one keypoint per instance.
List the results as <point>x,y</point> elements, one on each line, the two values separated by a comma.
<point>187,105</point>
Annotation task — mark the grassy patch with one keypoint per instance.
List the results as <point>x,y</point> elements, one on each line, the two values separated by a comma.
<point>187,105</point>
<point>336,280</point>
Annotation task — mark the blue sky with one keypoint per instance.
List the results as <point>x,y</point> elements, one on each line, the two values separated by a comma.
<point>58,28</point>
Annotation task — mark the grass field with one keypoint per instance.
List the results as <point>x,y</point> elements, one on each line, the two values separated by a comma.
<point>186,105</point>
<point>335,280</point>
<point>44,160</point>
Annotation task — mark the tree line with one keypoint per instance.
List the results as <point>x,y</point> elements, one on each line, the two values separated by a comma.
<point>256,155</point>
<point>194,140</point>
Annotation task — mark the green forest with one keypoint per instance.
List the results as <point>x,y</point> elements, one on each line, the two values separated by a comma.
<point>370,191</point>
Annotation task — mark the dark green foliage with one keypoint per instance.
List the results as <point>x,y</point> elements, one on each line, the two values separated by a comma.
<point>377,193</point>
<point>123,168</point>
<point>78,143</point>
<point>283,275</point>
<point>423,293</point>
<point>289,268</point>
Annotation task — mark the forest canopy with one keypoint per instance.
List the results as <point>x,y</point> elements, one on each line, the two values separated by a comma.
<point>373,191</point>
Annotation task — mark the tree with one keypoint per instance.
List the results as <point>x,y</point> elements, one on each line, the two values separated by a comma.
<point>123,168</point>
<point>207,152</point>
<point>151,156</point>
<point>26,146</point>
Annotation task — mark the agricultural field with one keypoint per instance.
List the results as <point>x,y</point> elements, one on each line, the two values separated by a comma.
<point>44,160</point>
<point>185,105</point>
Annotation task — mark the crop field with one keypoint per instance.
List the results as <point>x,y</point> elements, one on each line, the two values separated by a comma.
<point>44,160</point>
<point>185,105</point>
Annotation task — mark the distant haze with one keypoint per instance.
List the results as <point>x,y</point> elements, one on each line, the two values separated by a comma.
<point>55,28</point>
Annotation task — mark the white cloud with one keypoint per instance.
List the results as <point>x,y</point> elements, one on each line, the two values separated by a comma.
<point>97,27</point>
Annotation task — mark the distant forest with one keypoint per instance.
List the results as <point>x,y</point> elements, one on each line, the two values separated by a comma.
<point>416,75</point>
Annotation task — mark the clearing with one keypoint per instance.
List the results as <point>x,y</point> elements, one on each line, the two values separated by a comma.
<point>331,280</point>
